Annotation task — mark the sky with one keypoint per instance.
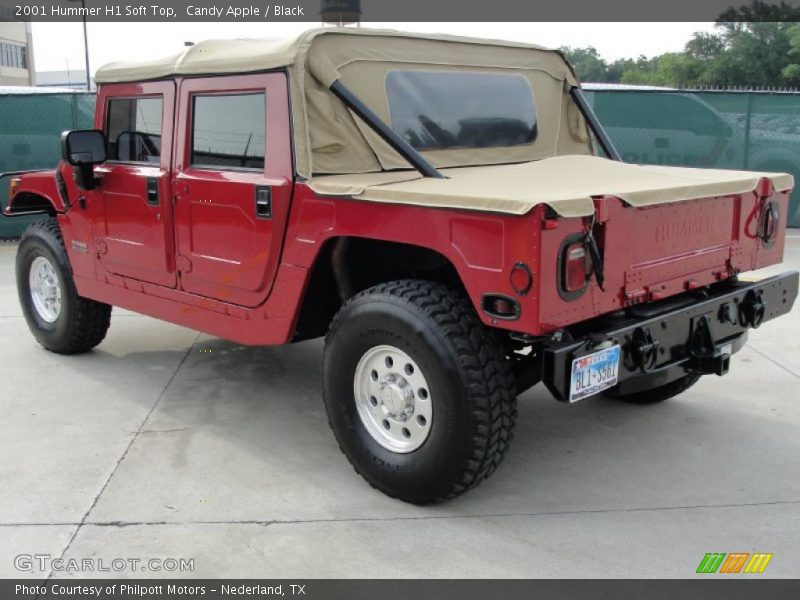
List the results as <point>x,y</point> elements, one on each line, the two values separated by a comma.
<point>59,45</point>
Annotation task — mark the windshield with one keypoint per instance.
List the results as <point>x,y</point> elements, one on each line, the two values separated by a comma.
<point>438,110</point>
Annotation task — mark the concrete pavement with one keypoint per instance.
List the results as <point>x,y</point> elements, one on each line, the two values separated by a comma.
<point>165,443</point>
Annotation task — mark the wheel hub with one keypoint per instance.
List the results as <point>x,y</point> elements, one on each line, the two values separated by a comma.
<point>397,397</point>
<point>45,289</point>
<point>393,399</point>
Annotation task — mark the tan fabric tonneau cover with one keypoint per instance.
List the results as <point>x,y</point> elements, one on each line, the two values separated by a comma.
<point>565,183</point>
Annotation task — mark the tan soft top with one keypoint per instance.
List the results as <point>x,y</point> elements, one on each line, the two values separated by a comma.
<point>342,156</point>
<point>212,57</point>
<point>565,183</point>
<point>329,139</point>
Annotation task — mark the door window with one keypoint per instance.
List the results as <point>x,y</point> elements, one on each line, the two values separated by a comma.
<point>134,129</point>
<point>228,131</point>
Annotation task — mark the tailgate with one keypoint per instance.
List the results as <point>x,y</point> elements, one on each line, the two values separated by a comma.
<point>658,251</point>
<point>653,252</point>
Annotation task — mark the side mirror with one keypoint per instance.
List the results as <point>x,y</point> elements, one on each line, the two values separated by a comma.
<point>83,150</point>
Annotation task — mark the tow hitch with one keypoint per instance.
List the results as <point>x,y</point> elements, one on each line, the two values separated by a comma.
<point>707,357</point>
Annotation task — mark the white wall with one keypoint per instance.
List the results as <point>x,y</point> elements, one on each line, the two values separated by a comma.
<point>17,33</point>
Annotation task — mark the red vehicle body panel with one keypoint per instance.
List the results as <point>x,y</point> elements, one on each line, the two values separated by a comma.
<point>39,183</point>
<point>133,237</point>
<point>233,254</point>
<point>216,268</point>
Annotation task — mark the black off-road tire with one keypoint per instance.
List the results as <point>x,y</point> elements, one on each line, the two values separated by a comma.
<point>657,394</point>
<point>471,389</point>
<point>82,323</point>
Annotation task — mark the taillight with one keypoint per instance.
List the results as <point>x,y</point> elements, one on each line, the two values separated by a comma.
<point>521,278</point>
<point>576,267</point>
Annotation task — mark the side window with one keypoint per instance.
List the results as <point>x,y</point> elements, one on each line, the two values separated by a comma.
<point>439,110</point>
<point>133,126</point>
<point>229,131</point>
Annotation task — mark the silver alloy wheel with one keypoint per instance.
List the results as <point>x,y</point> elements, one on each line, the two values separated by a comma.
<point>45,287</point>
<point>393,399</point>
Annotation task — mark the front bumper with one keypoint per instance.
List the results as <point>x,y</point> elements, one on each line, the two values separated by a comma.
<point>695,332</point>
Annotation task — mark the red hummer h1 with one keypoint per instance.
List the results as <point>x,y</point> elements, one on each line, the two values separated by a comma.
<point>447,211</point>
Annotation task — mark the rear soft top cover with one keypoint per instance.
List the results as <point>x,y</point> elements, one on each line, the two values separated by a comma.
<point>330,140</point>
<point>565,183</point>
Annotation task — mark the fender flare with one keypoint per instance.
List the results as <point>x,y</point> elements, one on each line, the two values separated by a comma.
<point>34,193</point>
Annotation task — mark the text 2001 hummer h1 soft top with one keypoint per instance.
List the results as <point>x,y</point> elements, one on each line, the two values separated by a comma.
<point>433,205</point>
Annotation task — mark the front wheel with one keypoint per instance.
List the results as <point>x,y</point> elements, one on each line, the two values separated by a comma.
<point>60,319</point>
<point>418,392</point>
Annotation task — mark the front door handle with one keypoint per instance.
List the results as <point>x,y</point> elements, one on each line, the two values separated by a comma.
<point>263,202</point>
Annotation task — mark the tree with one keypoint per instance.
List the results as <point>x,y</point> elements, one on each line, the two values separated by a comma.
<point>587,63</point>
<point>756,45</point>
<point>791,72</point>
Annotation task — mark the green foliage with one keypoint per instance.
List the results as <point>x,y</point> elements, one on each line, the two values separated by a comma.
<point>757,45</point>
<point>588,63</point>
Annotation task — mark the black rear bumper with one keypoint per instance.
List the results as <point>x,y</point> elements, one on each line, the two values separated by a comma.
<point>695,332</point>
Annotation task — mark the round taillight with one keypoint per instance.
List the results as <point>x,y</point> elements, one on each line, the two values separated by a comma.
<point>521,278</point>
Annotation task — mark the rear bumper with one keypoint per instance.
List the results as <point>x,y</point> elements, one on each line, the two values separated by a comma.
<point>695,332</point>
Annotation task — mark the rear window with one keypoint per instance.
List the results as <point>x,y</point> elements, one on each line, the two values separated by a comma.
<point>461,110</point>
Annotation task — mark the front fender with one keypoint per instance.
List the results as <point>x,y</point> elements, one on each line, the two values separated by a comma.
<point>33,192</point>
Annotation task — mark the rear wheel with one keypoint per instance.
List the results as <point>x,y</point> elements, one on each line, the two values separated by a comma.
<point>656,394</point>
<point>418,392</point>
<point>60,319</point>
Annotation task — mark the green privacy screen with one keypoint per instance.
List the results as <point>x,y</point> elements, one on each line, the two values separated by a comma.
<point>757,131</point>
<point>30,134</point>
<point>730,130</point>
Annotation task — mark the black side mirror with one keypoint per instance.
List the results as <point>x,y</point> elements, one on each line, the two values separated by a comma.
<point>83,150</point>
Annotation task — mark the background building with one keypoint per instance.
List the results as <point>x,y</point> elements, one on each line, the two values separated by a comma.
<point>16,54</point>
<point>72,78</point>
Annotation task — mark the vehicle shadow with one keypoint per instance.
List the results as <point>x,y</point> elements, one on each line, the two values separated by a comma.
<point>245,429</point>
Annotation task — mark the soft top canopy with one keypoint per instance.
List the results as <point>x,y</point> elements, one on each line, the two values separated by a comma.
<point>253,55</point>
<point>329,139</point>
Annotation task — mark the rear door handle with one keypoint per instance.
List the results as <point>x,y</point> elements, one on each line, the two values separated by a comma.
<point>263,202</point>
<point>152,190</point>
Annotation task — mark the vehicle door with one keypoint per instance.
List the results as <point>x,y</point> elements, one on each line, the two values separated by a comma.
<point>232,185</point>
<point>132,209</point>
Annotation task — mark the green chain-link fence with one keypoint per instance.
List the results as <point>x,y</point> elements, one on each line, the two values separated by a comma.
<point>30,133</point>
<point>732,130</point>
<point>757,131</point>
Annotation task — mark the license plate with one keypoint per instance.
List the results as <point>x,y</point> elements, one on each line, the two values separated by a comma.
<point>594,373</point>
